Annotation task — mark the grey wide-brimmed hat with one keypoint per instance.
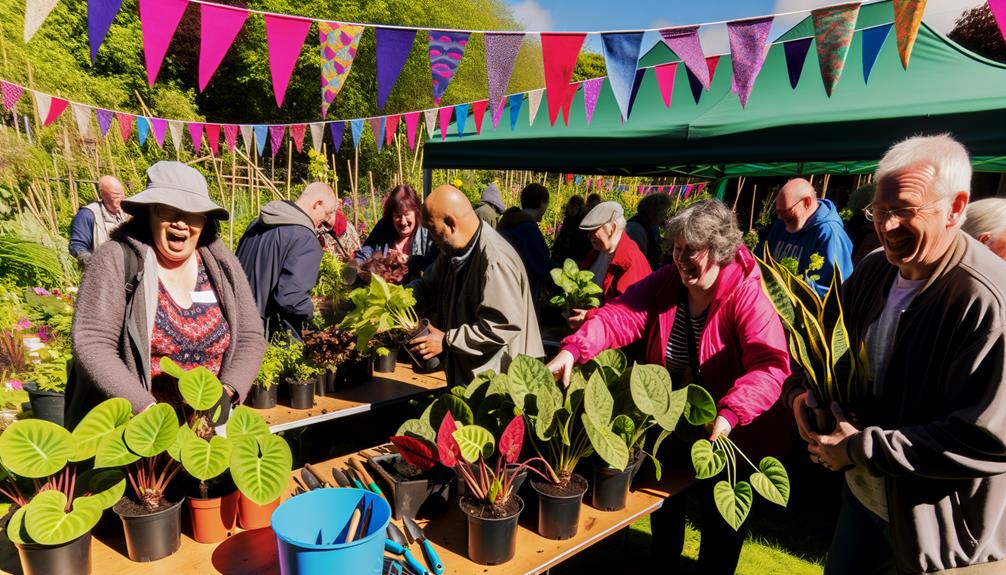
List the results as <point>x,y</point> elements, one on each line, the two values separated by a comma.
<point>178,186</point>
<point>601,214</point>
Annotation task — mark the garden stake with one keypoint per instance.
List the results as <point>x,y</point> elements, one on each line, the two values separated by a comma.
<point>354,521</point>
<point>314,471</point>
<point>365,524</point>
<point>358,467</point>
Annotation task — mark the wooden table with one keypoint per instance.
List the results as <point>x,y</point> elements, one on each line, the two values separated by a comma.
<point>385,388</point>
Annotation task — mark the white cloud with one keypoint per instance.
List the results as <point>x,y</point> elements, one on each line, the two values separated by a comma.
<point>714,39</point>
<point>661,23</point>
<point>532,15</point>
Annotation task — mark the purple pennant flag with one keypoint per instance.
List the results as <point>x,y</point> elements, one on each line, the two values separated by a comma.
<point>337,129</point>
<point>621,54</point>
<point>104,120</point>
<point>591,91</point>
<point>501,55</point>
<point>11,94</point>
<point>276,133</point>
<point>747,51</point>
<point>100,14</point>
<point>393,48</point>
<point>377,126</point>
<point>796,55</point>
<point>685,43</point>
<point>446,51</point>
<point>159,127</point>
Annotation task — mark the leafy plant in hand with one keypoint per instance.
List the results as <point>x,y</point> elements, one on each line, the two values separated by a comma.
<point>578,288</point>
<point>380,308</point>
<point>330,284</point>
<point>392,267</point>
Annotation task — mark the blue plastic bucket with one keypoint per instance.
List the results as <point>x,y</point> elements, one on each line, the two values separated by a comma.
<point>311,533</point>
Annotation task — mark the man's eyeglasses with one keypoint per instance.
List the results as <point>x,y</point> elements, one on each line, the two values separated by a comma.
<point>899,214</point>
<point>780,213</point>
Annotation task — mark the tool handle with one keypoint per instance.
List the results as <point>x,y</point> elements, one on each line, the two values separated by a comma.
<point>364,475</point>
<point>354,522</point>
<point>431,557</point>
<point>392,547</point>
<point>376,489</point>
<point>317,475</point>
<point>413,564</point>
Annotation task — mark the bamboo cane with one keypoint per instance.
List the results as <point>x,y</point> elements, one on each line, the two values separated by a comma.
<point>398,149</point>
<point>373,196</point>
<point>356,175</point>
<point>356,203</point>
<point>111,161</point>
<point>754,194</point>
<point>558,194</point>
<point>289,165</point>
<point>824,186</point>
<point>740,185</point>
<point>31,84</point>
<point>234,192</point>
<point>419,144</point>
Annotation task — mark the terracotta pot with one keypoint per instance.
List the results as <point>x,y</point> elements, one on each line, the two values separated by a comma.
<point>254,516</point>
<point>213,519</point>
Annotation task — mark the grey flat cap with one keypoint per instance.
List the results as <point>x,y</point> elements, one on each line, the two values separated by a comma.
<point>601,214</point>
<point>176,185</point>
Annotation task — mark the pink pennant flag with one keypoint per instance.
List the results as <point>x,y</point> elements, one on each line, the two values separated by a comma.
<point>160,127</point>
<point>377,127</point>
<point>213,137</point>
<point>231,136</point>
<point>55,109</point>
<point>159,19</point>
<point>285,36</point>
<point>390,128</point>
<point>219,26</point>
<point>498,114</point>
<point>747,52</point>
<point>685,43</point>
<point>276,133</point>
<point>445,121</point>
<point>125,124</point>
<point>411,123</point>
<point>11,94</point>
<point>196,133</point>
<point>591,91</point>
<point>297,133</point>
<point>711,63</point>
<point>479,112</point>
<point>998,8</point>
<point>559,52</point>
<point>665,80</point>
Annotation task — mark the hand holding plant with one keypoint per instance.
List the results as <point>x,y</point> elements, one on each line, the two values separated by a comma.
<point>578,288</point>
<point>380,308</point>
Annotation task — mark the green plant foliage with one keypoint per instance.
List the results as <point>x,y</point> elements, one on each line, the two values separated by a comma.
<point>707,463</point>
<point>380,308</point>
<point>198,386</point>
<point>772,481</point>
<point>204,459</point>
<point>475,442</point>
<point>103,487</point>
<point>112,451</point>
<point>733,502</point>
<point>244,421</point>
<point>260,466</point>
<point>152,431</point>
<point>48,523</point>
<point>35,448</point>
<point>99,423</point>
<point>578,288</point>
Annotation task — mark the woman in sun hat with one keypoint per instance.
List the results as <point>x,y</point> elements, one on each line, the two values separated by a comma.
<point>165,286</point>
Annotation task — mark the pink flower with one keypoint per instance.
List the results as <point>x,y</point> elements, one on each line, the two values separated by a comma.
<point>14,385</point>
<point>24,323</point>
<point>41,291</point>
<point>44,334</point>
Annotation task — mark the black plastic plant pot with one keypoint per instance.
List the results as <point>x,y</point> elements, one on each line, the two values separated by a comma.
<point>610,487</point>
<point>152,536</point>
<point>47,405</point>
<point>422,365</point>
<point>491,541</point>
<point>73,558</point>
<point>386,363</point>
<point>559,514</point>
<point>319,385</point>
<point>262,398</point>
<point>354,372</point>
<point>301,394</point>
<point>821,418</point>
<point>429,491</point>
<point>636,464</point>
<point>331,381</point>
<point>518,476</point>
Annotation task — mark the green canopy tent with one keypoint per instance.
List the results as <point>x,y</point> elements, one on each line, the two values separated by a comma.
<point>782,131</point>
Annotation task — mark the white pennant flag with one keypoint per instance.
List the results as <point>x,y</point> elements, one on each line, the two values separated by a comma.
<point>42,104</point>
<point>317,136</point>
<point>533,101</point>
<point>431,121</point>
<point>35,13</point>
<point>246,137</point>
<point>176,128</point>
<point>82,114</point>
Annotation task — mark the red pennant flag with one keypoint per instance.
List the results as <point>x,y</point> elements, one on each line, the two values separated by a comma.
<point>159,19</point>
<point>213,137</point>
<point>445,121</point>
<point>411,123</point>
<point>276,134</point>
<point>569,179</point>
<point>297,133</point>
<point>907,18</point>
<point>665,80</point>
<point>285,36</point>
<point>711,63</point>
<point>196,132</point>
<point>125,125</point>
<point>55,109</point>
<point>231,136</point>
<point>479,112</point>
<point>998,8</point>
<point>219,26</point>
<point>390,128</point>
<point>559,52</point>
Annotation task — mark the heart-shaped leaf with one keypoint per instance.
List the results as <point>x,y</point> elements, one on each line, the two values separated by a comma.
<point>447,447</point>
<point>707,462</point>
<point>700,409</point>
<point>733,504</point>
<point>185,434</point>
<point>771,481</point>
<point>624,427</point>
<point>260,467</point>
<point>105,487</point>
<point>612,362</point>
<point>417,428</point>
<point>245,421</point>
<point>512,440</point>
<point>474,442</point>
<point>527,375</point>
<point>112,451</point>
<point>101,421</point>
<point>597,401</point>
<point>152,431</point>
<point>48,523</point>
<point>200,388</point>
<point>15,528</point>
<point>416,451</point>
<point>609,446</point>
<point>35,448</point>
<point>205,460</point>
<point>651,387</point>
<point>171,368</point>
<point>455,405</point>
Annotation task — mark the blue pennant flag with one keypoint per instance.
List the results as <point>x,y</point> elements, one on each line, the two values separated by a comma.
<point>621,54</point>
<point>356,126</point>
<point>515,103</point>
<point>637,82</point>
<point>142,129</point>
<point>873,41</point>
<point>461,117</point>
<point>261,135</point>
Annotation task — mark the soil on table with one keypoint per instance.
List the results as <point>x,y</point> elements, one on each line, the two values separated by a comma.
<point>129,508</point>
<point>400,469</point>
<point>577,485</point>
<point>476,508</point>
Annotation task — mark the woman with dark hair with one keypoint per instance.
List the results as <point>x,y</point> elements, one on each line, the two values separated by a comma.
<point>400,229</point>
<point>644,227</point>
<point>164,286</point>
<point>571,242</point>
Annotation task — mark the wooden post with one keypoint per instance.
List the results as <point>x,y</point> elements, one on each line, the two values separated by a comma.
<point>356,198</point>
<point>824,186</point>
<point>234,190</point>
<point>754,194</point>
<point>289,165</point>
<point>373,196</point>
<point>740,185</point>
<point>31,84</point>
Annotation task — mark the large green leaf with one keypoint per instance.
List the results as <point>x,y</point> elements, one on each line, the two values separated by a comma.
<point>417,428</point>
<point>771,481</point>
<point>668,420</point>
<point>205,460</point>
<point>101,421</point>
<point>460,410</point>
<point>200,388</point>
<point>48,523</point>
<point>700,409</point>
<point>707,462</point>
<point>624,427</point>
<point>112,451</point>
<point>612,364</point>
<point>171,368</point>
<point>607,444</point>
<point>35,448</point>
<point>651,388</point>
<point>498,385</point>
<point>260,467</point>
<point>185,435</point>
<point>245,421</point>
<point>527,375</point>
<point>494,413</point>
<point>545,411</point>
<point>575,391</point>
<point>105,487</point>
<point>15,530</point>
<point>152,431</point>
<point>776,288</point>
<point>597,401</point>
<point>733,504</point>
<point>474,441</point>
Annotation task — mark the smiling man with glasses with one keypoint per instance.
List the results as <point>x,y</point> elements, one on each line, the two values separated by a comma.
<point>806,226</point>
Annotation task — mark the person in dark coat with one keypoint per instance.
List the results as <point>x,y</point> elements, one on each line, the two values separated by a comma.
<point>520,228</point>
<point>401,229</point>
<point>281,255</point>
<point>644,227</point>
<point>491,207</point>
<point>571,242</point>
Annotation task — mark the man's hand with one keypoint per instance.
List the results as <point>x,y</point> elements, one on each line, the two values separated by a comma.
<point>428,346</point>
<point>717,427</point>
<point>832,450</point>
<point>800,414</point>
<point>576,318</point>
<point>561,366</point>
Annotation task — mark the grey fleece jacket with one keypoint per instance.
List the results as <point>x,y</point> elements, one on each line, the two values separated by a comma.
<point>111,344</point>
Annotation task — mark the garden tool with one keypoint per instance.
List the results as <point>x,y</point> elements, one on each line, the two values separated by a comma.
<point>415,533</point>
<point>317,475</point>
<point>340,478</point>
<point>365,524</point>
<point>309,479</point>
<point>354,520</point>
<point>300,485</point>
<point>364,476</point>
<point>356,482</point>
<point>401,547</point>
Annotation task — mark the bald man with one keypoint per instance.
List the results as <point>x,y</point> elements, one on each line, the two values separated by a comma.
<point>806,226</point>
<point>281,255</point>
<point>94,222</point>
<point>479,290</point>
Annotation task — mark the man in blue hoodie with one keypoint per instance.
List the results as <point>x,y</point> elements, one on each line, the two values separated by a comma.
<point>806,226</point>
<point>520,227</point>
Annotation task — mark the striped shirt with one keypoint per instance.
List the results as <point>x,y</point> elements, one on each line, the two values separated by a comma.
<point>676,352</point>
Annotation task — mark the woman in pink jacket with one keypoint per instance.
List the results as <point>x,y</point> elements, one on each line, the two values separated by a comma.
<point>727,338</point>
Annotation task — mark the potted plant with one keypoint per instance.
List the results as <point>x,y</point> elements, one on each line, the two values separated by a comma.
<point>392,267</point>
<point>330,348</point>
<point>301,377</point>
<point>266,383</point>
<point>579,291</point>
<point>260,465</point>
<point>46,385</point>
<point>50,315</point>
<point>327,291</point>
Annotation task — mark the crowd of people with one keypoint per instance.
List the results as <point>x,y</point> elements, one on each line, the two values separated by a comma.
<point>925,467</point>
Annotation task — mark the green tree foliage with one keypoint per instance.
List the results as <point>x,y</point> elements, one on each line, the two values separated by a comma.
<point>589,65</point>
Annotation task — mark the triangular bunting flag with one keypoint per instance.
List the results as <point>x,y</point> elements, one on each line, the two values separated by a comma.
<point>533,103</point>
<point>276,134</point>
<point>35,12</point>
<point>558,55</point>
<point>317,136</point>
<point>356,127</point>
<point>833,30</point>
<point>696,83</point>
<point>285,36</point>
<point>55,110</point>
<point>231,136</point>
<point>219,26</point>
<point>478,114</point>
<point>685,43</point>
<point>747,52</point>
<point>338,129</point>
<point>297,133</point>
<point>42,104</point>
<point>82,115</point>
<point>591,91</point>
<point>665,80</point>
<point>100,14</point>
<point>796,55</point>
<point>175,127</point>
<point>11,94</point>
<point>142,129</point>
<point>125,125</point>
<point>391,128</point>
<point>431,122</point>
<point>461,117</point>
<point>621,54</point>
<point>907,18</point>
<point>393,46</point>
<point>213,138</point>
<point>445,121</point>
<point>339,43</point>
<point>261,135</point>
<point>411,123</point>
<point>247,136</point>
<point>377,127</point>
<point>104,120</point>
<point>636,83</point>
<point>446,51</point>
<point>159,19</point>
<point>515,102</point>
<point>998,8</point>
<point>501,55</point>
<point>873,41</point>
<point>196,133</point>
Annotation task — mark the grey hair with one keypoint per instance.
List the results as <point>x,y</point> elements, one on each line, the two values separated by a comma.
<point>988,215</point>
<point>708,224</point>
<point>620,223</point>
<point>946,155</point>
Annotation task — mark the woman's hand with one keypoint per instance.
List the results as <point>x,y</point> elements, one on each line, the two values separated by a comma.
<point>717,427</point>
<point>561,367</point>
<point>576,318</point>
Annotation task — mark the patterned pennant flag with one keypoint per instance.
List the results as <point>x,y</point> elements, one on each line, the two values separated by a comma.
<point>431,122</point>
<point>391,128</point>
<point>247,136</point>
<point>621,54</point>
<point>125,125</point>
<point>591,91</point>
<point>285,36</point>
<point>411,123</point>
<point>461,115</point>
<point>142,129</point>
<point>159,20</point>
<point>873,41</point>
<point>176,128</point>
<point>261,135</point>
<point>501,55</point>
<point>276,134</point>
<point>104,120</point>
<point>685,43</point>
<point>665,80</point>
<point>338,129</point>
<point>696,83</point>
<point>339,43</point>
<point>998,8</point>
<point>558,53</point>
<point>377,127</point>
<point>445,121</point>
<point>100,14</point>
<point>907,18</point>
<point>213,138</point>
<point>219,26</point>
<point>796,55</point>
<point>478,113</point>
<point>196,134</point>
<point>393,46</point>
<point>356,127</point>
<point>11,94</point>
<point>231,136</point>
<point>35,13</point>
<point>82,115</point>
<point>297,133</point>
<point>833,30</point>
<point>446,51</point>
<point>533,103</point>
<point>515,102</point>
<point>747,52</point>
